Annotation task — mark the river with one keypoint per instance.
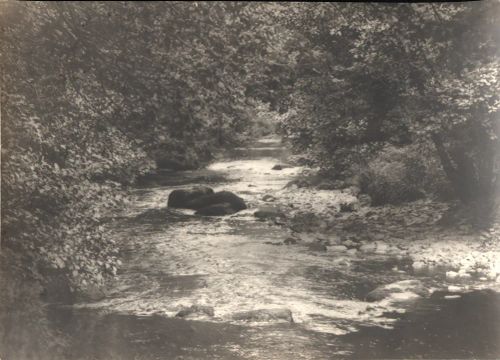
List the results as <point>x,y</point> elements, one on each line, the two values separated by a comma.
<point>173,259</point>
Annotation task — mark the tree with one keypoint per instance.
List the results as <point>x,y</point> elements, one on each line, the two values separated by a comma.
<point>371,74</point>
<point>93,96</point>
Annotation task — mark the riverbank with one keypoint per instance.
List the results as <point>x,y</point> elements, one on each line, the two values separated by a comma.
<point>429,233</point>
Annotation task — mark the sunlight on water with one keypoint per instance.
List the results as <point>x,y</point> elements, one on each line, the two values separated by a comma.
<point>225,263</point>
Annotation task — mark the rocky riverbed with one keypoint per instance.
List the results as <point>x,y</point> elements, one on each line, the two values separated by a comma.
<point>302,273</point>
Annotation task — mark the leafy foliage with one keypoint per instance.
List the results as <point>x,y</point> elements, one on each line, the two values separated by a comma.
<point>95,95</point>
<point>400,174</point>
<point>96,91</point>
<point>368,75</point>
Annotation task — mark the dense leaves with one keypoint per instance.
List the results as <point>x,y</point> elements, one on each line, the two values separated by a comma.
<point>96,94</point>
<point>371,74</point>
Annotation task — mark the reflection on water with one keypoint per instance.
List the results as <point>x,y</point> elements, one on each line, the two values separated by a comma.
<point>173,259</point>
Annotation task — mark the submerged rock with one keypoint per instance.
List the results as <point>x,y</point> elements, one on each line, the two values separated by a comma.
<point>348,206</point>
<point>264,315</point>
<point>290,241</point>
<point>414,287</point>
<point>216,210</point>
<point>268,213</point>
<point>268,198</point>
<point>196,309</point>
<point>316,246</point>
<point>298,183</point>
<point>273,243</point>
<point>280,167</point>
<point>220,197</point>
<point>181,198</point>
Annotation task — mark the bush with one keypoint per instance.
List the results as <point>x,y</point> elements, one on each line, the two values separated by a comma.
<point>24,328</point>
<point>398,175</point>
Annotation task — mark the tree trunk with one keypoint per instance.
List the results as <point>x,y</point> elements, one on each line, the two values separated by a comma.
<point>472,179</point>
<point>452,172</point>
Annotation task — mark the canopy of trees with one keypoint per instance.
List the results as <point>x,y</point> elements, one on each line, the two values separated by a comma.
<point>93,92</point>
<point>96,94</point>
<point>369,74</point>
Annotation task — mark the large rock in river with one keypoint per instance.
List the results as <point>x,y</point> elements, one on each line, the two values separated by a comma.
<point>182,197</point>
<point>221,197</point>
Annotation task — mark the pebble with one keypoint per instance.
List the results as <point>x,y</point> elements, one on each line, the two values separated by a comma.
<point>337,248</point>
<point>352,251</point>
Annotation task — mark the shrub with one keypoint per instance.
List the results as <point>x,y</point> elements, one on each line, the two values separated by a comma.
<point>403,174</point>
<point>24,328</point>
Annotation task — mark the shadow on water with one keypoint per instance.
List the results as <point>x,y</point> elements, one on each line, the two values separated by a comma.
<point>95,335</point>
<point>466,327</point>
<point>436,328</point>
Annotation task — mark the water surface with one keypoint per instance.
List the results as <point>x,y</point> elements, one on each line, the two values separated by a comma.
<point>174,259</point>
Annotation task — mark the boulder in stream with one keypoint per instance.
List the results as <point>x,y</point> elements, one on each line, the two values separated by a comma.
<point>221,197</point>
<point>398,290</point>
<point>264,315</point>
<point>180,198</point>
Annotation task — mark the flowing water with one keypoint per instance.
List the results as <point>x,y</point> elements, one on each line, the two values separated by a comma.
<point>174,259</point>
